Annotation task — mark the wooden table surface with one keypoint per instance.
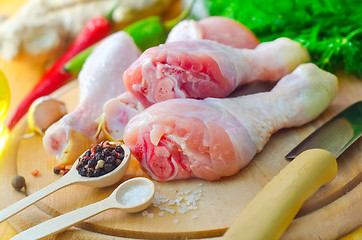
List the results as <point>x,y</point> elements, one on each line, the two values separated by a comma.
<point>20,85</point>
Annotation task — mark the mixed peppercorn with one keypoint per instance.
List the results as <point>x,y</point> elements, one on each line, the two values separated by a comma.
<point>18,182</point>
<point>100,159</point>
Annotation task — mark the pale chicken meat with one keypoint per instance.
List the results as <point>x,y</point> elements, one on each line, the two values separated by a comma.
<point>204,68</point>
<point>116,114</point>
<point>220,29</point>
<point>214,138</point>
<point>99,80</point>
<point>118,111</point>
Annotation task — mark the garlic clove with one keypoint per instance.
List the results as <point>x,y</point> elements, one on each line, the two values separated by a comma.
<point>43,112</point>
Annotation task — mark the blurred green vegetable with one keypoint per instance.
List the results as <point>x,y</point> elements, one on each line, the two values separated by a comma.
<point>330,29</point>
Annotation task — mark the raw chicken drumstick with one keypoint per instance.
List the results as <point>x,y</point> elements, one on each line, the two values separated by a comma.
<point>203,68</point>
<point>219,29</point>
<point>214,137</point>
<point>116,114</point>
<point>118,111</point>
<point>99,80</point>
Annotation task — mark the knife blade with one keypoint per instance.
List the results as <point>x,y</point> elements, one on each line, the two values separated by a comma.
<point>313,164</point>
<point>336,135</point>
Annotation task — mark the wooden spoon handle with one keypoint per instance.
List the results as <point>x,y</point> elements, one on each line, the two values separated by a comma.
<point>61,222</point>
<point>26,202</point>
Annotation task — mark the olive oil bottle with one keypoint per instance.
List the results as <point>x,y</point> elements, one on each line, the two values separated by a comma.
<point>4,105</point>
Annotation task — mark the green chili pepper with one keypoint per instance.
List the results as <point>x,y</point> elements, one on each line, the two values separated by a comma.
<point>146,33</point>
<point>75,64</point>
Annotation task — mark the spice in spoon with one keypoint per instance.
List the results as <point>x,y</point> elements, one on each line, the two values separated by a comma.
<point>100,159</point>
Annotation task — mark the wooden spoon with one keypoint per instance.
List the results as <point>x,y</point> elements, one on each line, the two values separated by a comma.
<point>133,195</point>
<point>70,178</point>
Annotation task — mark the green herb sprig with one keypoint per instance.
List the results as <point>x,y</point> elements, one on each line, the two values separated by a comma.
<point>330,29</point>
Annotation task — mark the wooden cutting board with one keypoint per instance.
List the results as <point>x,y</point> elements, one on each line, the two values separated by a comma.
<point>332,212</point>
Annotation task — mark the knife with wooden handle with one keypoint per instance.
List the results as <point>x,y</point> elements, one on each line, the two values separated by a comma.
<point>269,214</point>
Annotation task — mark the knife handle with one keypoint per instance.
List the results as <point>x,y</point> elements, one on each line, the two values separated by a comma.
<point>269,214</point>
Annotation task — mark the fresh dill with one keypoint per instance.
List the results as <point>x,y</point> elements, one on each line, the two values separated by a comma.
<point>330,29</point>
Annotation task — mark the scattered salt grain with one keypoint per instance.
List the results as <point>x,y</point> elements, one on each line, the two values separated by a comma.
<point>196,191</point>
<point>150,215</point>
<point>181,210</point>
<point>144,213</point>
<point>176,220</point>
<point>187,191</point>
<point>185,201</point>
<point>172,211</point>
<point>194,216</point>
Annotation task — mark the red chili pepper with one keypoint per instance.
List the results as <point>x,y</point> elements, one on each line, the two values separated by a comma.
<point>94,30</point>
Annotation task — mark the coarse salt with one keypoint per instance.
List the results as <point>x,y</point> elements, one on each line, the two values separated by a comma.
<point>135,195</point>
<point>183,202</point>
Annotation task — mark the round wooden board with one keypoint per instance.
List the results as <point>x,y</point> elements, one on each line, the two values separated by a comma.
<point>330,213</point>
